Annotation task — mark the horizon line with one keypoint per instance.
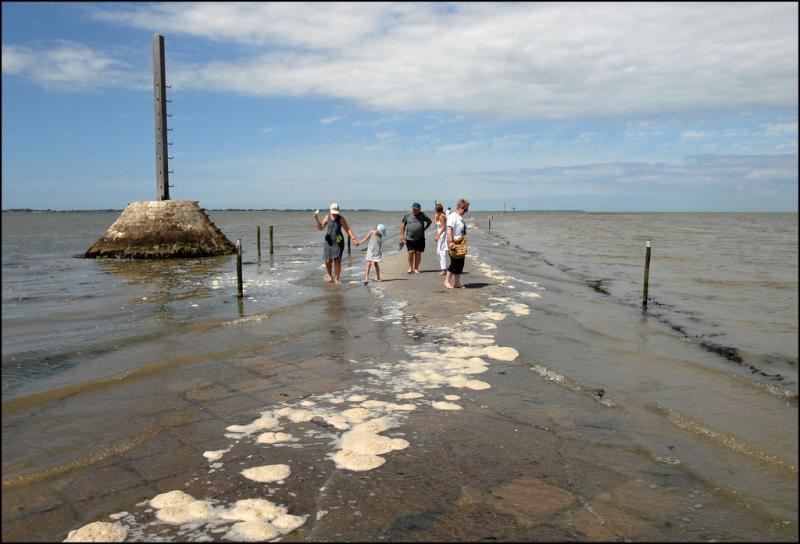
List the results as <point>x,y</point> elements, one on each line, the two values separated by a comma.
<point>544,210</point>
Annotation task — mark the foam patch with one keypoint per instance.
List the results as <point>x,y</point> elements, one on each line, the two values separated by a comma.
<point>99,531</point>
<point>268,473</point>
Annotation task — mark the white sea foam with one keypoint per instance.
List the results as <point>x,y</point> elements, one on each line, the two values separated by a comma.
<point>215,455</point>
<point>266,421</point>
<point>501,353</point>
<point>272,437</point>
<point>441,405</point>
<point>98,531</point>
<point>268,473</point>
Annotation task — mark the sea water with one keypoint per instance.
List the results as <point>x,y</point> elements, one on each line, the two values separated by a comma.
<point>705,378</point>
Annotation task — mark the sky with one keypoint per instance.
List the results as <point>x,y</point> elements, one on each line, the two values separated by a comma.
<point>608,107</point>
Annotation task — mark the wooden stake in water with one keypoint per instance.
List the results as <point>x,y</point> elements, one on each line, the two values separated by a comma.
<point>490,224</point>
<point>348,244</point>
<point>258,241</point>
<point>646,275</point>
<point>239,291</point>
<point>270,240</point>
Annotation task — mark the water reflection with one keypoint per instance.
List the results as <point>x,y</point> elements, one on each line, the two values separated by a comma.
<point>170,280</point>
<point>337,347</point>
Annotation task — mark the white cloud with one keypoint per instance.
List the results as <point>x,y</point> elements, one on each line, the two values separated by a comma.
<point>689,134</point>
<point>315,25</point>
<point>507,60</point>
<point>71,66</point>
<point>447,148</point>
<point>331,119</point>
<point>746,172</point>
<point>15,59</point>
<point>782,128</point>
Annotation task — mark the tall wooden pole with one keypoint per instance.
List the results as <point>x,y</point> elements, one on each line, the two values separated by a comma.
<point>239,290</point>
<point>646,275</point>
<point>160,101</point>
<point>271,247</point>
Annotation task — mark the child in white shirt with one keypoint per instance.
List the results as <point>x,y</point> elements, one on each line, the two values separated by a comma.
<point>374,251</point>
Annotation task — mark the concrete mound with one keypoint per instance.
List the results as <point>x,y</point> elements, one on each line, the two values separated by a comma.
<point>160,229</point>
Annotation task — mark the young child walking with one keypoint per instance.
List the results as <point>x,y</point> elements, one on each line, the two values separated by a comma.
<point>374,252</point>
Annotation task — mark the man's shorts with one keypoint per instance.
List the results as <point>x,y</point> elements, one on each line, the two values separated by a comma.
<point>415,245</point>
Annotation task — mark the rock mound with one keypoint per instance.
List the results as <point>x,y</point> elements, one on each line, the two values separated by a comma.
<point>160,229</point>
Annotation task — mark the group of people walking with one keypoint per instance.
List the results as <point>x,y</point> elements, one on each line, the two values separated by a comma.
<point>451,241</point>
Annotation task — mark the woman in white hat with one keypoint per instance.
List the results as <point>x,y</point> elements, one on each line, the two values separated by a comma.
<point>333,247</point>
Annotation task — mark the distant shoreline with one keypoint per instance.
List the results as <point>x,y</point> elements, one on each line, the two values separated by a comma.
<point>109,210</point>
<point>32,210</point>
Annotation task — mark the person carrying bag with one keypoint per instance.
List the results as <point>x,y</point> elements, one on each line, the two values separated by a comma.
<point>459,248</point>
<point>456,244</point>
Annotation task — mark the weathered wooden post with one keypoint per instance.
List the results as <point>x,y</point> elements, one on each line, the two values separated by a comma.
<point>160,95</point>
<point>270,240</point>
<point>348,244</point>
<point>239,290</point>
<point>490,223</point>
<point>258,240</point>
<point>646,275</point>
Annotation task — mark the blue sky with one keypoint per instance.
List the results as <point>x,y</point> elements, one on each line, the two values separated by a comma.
<point>599,107</point>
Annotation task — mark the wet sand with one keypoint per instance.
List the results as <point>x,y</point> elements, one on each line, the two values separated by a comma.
<point>509,465</point>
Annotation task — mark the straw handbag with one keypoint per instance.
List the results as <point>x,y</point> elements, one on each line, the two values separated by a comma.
<point>459,250</point>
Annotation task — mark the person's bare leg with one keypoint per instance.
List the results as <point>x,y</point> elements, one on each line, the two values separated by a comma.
<point>457,283</point>
<point>410,261</point>
<point>366,271</point>
<point>417,259</point>
<point>328,268</point>
<point>378,271</point>
<point>337,265</point>
<point>447,280</point>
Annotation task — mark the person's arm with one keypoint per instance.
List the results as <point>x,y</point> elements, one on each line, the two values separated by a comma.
<point>319,225</point>
<point>450,243</point>
<point>347,229</point>
<point>427,223</point>
<point>367,237</point>
<point>403,230</point>
<point>441,227</point>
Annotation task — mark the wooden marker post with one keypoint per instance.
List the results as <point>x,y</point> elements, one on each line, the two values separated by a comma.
<point>239,291</point>
<point>646,275</point>
<point>258,241</point>
<point>270,241</point>
<point>348,244</point>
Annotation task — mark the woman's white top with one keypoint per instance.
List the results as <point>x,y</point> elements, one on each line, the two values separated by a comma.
<point>457,223</point>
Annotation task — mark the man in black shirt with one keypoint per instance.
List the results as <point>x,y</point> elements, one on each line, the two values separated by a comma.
<point>412,232</point>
